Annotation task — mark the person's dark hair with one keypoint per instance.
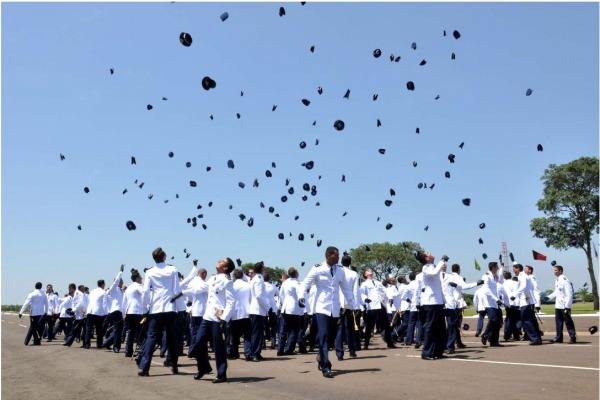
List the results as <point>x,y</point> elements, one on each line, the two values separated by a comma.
<point>134,274</point>
<point>293,272</point>
<point>72,286</point>
<point>492,264</point>
<point>530,267</point>
<point>519,267</point>
<point>100,282</point>
<point>420,256</point>
<point>259,267</point>
<point>507,275</point>
<point>455,267</point>
<point>353,268</point>
<point>81,288</point>
<point>230,265</point>
<point>346,260</point>
<point>267,277</point>
<point>412,276</point>
<point>238,273</point>
<point>330,250</point>
<point>159,255</point>
<point>38,285</point>
<point>560,268</point>
<point>402,279</point>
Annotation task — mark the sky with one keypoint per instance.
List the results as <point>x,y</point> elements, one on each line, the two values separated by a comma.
<point>59,97</point>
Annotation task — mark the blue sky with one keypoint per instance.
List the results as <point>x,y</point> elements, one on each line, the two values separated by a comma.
<point>58,97</point>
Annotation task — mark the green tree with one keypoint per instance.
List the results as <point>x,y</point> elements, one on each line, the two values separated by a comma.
<point>582,293</point>
<point>274,272</point>
<point>570,204</point>
<point>386,258</point>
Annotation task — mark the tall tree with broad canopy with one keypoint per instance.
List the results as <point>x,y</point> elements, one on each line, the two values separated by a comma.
<point>570,204</point>
<point>386,258</point>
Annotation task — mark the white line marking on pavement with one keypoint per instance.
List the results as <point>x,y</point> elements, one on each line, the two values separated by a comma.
<point>24,326</point>
<point>526,364</point>
<point>515,363</point>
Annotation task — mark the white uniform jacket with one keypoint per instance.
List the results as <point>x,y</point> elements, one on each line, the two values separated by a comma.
<point>220,304</point>
<point>242,299</point>
<point>563,291</point>
<point>259,302</point>
<point>197,293</point>
<point>133,299</point>
<point>290,292</point>
<point>328,281</point>
<point>161,283</point>
<point>38,302</point>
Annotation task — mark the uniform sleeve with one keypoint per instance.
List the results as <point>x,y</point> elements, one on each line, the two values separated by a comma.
<point>261,294</point>
<point>184,283</point>
<point>146,294</point>
<point>346,288</point>
<point>26,304</point>
<point>229,302</point>
<point>568,293</point>
<point>115,283</point>
<point>487,289</point>
<point>308,281</point>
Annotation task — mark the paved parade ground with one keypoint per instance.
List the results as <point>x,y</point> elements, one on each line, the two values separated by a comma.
<point>516,371</point>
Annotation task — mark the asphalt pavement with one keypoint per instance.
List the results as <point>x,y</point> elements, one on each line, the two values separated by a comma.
<point>516,371</point>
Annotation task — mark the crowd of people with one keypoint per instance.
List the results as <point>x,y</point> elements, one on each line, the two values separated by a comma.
<point>331,309</point>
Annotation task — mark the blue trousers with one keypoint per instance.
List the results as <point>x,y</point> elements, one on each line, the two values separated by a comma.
<point>325,323</point>
<point>529,323</point>
<point>452,325</point>
<point>258,333</point>
<point>511,326</point>
<point>492,329</point>
<point>133,332</point>
<point>560,317</point>
<point>434,330</point>
<point>34,329</point>
<point>97,322</point>
<point>413,322</point>
<point>289,330</point>
<point>156,324</point>
<point>240,328</point>
<point>195,324</point>
<point>215,332</point>
<point>482,315</point>
<point>116,320</point>
<point>78,326</point>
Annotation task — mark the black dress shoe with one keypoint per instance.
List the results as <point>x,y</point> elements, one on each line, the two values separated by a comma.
<point>141,372</point>
<point>340,358</point>
<point>198,376</point>
<point>391,346</point>
<point>556,341</point>
<point>483,340</point>
<point>116,350</point>
<point>461,345</point>
<point>220,379</point>
<point>327,373</point>
<point>539,342</point>
<point>572,341</point>
<point>428,358</point>
<point>261,358</point>
<point>418,345</point>
<point>352,355</point>
<point>496,345</point>
<point>440,356</point>
<point>254,359</point>
<point>128,355</point>
<point>167,363</point>
<point>280,353</point>
<point>175,369</point>
<point>451,351</point>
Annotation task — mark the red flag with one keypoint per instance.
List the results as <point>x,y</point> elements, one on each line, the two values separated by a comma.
<point>538,256</point>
